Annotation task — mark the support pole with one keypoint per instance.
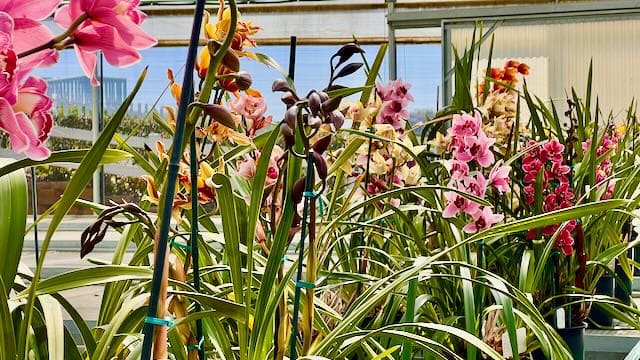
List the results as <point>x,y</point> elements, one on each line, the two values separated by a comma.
<point>97,124</point>
<point>393,66</point>
<point>172,176</point>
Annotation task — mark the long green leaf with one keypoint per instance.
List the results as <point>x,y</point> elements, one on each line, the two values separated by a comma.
<point>110,156</point>
<point>13,219</point>
<point>7,336</point>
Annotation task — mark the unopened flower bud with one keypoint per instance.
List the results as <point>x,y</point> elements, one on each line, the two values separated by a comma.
<point>243,80</point>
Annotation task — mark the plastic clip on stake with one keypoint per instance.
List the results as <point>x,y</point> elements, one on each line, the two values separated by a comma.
<point>196,347</point>
<point>305,285</point>
<point>167,321</point>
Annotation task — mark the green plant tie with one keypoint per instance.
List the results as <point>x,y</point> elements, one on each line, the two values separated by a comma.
<point>321,207</point>
<point>177,244</point>
<point>309,194</point>
<point>167,321</point>
<point>284,259</point>
<point>305,285</point>
<point>196,347</point>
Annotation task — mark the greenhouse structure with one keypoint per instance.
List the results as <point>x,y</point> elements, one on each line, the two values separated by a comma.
<point>319,179</point>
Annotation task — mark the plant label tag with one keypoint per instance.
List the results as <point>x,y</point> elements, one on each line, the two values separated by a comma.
<point>521,336</point>
<point>560,319</point>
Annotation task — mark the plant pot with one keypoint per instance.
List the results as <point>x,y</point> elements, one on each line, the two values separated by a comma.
<point>597,317</point>
<point>574,337</point>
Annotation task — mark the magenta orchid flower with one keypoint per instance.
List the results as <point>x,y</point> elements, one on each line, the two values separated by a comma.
<point>482,219</point>
<point>499,177</point>
<point>552,150</point>
<point>112,26</point>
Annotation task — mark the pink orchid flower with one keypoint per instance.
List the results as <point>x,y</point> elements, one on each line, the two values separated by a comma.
<point>394,90</point>
<point>252,107</point>
<point>476,185</point>
<point>24,107</point>
<point>457,169</point>
<point>482,219</point>
<point>112,26</point>
<point>246,167</point>
<point>28,32</point>
<point>458,204</point>
<point>393,112</point>
<point>499,177</point>
<point>466,125</point>
<point>477,148</point>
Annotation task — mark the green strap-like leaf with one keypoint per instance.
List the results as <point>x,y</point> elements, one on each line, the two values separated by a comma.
<point>13,219</point>
<point>110,156</point>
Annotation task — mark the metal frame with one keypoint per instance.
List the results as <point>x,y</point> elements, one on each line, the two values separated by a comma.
<point>445,17</point>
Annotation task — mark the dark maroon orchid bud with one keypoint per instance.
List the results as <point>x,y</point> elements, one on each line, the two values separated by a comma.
<point>347,51</point>
<point>323,96</point>
<point>321,165</point>
<point>288,134</point>
<point>244,80</point>
<point>288,99</point>
<point>313,121</point>
<point>322,144</point>
<point>218,113</point>
<point>291,116</point>
<point>315,103</point>
<point>298,190</point>
<point>330,105</point>
<point>280,85</point>
<point>348,70</point>
<point>337,119</point>
<point>335,87</point>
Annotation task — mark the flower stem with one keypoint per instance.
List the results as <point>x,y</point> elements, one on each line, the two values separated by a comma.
<point>56,40</point>
<point>307,321</point>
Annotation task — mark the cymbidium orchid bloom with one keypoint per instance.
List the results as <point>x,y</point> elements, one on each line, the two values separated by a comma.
<point>252,107</point>
<point>111,26</point>
<point>457,204</point>
<point>24,107</point>
<point>217,32</point>
<point>499,176</point>
<point>471,157</point>
<point>548,160</point>
<point>482,220</point>
<point>28,32</point>
<point>395,90</point>
<point>476,148</point>
<point>465,125</point>
<point>246,167</point>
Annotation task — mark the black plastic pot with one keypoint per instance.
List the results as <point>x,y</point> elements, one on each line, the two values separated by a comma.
<point>574,337</point>
<point>597,317</point>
